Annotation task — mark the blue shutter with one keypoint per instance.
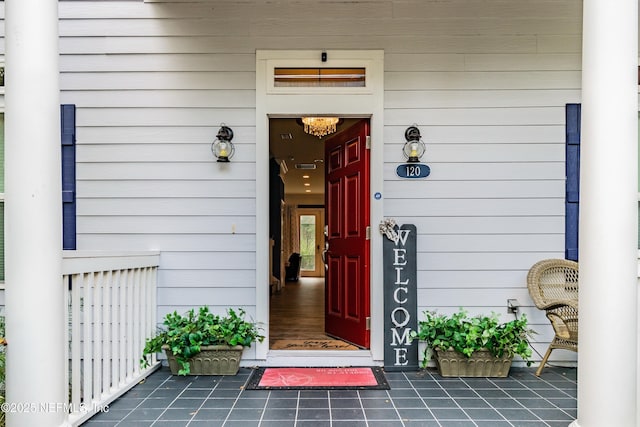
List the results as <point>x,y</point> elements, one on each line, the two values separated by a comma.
<point>68,129</point>
<point>573,180</point>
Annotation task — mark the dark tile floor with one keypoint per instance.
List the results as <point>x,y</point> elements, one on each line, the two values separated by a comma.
<point>415,399</point>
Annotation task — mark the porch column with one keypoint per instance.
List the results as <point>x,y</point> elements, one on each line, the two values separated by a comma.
<point>607,358</point>
<point>34,291</point>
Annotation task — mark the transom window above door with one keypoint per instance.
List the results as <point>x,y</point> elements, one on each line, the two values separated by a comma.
<point>319,77</point>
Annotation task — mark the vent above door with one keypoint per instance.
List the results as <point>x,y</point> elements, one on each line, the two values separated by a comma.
<point>306,166</point>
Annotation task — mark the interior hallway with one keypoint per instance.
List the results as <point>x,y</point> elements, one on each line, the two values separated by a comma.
<point>297,313</point>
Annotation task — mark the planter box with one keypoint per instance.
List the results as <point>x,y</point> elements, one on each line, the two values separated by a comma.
<point>481,364</point>
<point>212,360</point>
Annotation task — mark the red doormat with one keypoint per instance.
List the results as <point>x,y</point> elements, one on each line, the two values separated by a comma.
<point>351,378</point>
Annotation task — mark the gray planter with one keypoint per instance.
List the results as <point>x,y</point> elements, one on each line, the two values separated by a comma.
<point>481,364</point>
<point>212,360</point>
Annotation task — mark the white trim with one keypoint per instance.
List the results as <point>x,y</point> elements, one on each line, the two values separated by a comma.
<point>336,101</point>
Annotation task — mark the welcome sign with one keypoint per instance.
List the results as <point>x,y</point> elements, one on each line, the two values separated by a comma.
<point>400,296</point>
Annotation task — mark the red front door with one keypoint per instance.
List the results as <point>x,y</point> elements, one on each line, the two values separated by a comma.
<point>347,304</point>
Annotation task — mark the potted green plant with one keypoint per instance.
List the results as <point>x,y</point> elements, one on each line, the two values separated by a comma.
<point>203,343</point>
<point>473,346</point>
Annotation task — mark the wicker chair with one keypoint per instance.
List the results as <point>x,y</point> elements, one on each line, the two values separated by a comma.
<point>553,286</point>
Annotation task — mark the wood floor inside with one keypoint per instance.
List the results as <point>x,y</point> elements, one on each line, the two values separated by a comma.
<point>297,318</point>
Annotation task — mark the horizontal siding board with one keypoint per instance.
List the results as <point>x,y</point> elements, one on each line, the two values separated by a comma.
<point>482,80</point>
<point>487,297</point>
<point>495,9</point>
<point>125,10</point>
<point>478,116</point>
<point>163,134</point>
<point>170,189</point>
<point>450,225</point>
<point>165,224</point>
<point>477,134</point>
<point>398,10</point>
<point>162,99</point>
<point>509,98</point>
<point>480,153</point>
<point>425,25</point>
<point>193,297</point>
<point>159,80</point>
<point>470,279</point>
<point>551,43</point>
<point>404,62</point>
<point>423,62</point>
<point>153,205</point>
<point>232,62</point>
<point>477,243</point>
<point>149,27</point>
<point>402,44</point>
<point>175,242</point>
<point>200,260</point>
<point>197,9</point>
<point>163,170</point>
<point>139,154</point>
<point>523,62</point>
<point>333,23</point>
<point>476,189</point>
<point>482,171</point>
<point>481,261</point>
<point>474,207</point>
<point>206,278</point>
<point>164,116</point>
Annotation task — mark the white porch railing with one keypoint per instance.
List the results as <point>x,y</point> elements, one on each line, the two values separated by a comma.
<point>111,300</point>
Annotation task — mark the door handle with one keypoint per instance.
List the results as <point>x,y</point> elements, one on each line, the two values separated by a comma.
<point>323,255</point>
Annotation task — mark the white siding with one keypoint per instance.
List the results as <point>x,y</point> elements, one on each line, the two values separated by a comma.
<point>486,82</point>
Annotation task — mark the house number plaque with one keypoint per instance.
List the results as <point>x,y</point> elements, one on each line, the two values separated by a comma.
<point>413,170</point>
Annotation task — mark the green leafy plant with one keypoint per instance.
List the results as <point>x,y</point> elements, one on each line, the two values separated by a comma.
<point>467,334</point>
<point>185,334</point>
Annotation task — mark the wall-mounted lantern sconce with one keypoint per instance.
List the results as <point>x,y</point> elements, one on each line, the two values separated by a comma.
<point>414,148</point>
<point>222,147</point>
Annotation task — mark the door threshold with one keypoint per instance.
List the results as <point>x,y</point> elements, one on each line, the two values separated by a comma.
<point>319,358</point>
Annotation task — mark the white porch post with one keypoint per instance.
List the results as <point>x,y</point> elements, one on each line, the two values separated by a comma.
<point>34,293</point>
<point>607,359</point>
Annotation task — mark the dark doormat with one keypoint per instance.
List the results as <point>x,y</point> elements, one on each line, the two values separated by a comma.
<point>350,378</point>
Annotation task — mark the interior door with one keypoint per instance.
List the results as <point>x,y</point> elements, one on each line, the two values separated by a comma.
<point>347,303</point>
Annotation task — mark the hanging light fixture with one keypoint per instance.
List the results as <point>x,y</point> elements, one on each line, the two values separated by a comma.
<point>320,126</point>
<point>414,148</point>
<point>222,147</point>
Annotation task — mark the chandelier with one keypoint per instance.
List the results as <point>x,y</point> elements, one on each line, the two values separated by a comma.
<point>320,126</point>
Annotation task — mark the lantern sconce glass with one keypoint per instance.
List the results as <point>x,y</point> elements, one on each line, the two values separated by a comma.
<point>222,147</point>
<point>414,148</point>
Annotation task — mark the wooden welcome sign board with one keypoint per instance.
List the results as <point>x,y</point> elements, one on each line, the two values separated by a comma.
<point>400,296</point>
